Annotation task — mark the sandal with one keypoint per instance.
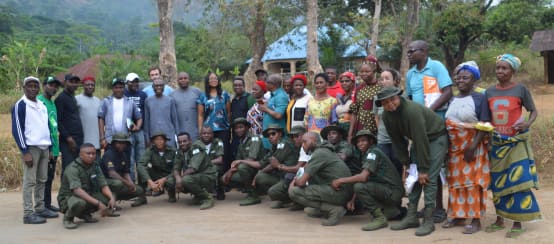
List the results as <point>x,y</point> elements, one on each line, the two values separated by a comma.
<point>453,223</point>
<point>514,233</point>
<point>470,229</point>
<point>494,227</point>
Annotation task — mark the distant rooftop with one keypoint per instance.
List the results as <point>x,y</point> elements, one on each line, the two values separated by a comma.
<point>293,44</point>
<point>543,41</point>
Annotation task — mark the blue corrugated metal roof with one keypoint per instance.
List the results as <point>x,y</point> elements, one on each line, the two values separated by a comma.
<point>293,44</point>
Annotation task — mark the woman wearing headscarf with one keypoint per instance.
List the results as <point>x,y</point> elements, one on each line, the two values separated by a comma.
<point>298,102</point>
<point>255,116</point>
<point>363,117</point>
<point>468,166</point>
<point>342,110</point>
<point>513,169</point>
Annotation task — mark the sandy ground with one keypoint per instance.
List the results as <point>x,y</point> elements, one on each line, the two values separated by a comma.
<point>163,222</point>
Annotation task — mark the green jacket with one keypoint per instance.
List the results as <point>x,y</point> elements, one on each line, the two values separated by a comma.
<point>352,160</point>
<point>78,175</point>
<point>418,123</point>
<point>251,148</point>
<point>325,166</point>
<point>153,165</point>
<point>52,123</point>
<point>285,152</point>
<point>216,148</point>
<point>196,158</point>
<point>381,168</point>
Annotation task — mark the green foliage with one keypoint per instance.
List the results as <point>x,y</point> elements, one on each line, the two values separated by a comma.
<point>332,47</point>
<point>118,66</point>
<point>20,59</point>
<point>516,20</point>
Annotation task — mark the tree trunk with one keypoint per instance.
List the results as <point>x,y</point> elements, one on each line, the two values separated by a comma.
<point>375,29</point>
<point>312,53</point>
<point>256,36</point>
<point>168,62</point>
<point>412,21</point>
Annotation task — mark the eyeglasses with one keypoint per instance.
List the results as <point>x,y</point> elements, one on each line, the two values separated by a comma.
<point>414,50</point>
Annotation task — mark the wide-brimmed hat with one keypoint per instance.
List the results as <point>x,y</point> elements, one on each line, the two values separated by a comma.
<point>297,129</point>
<point>386,93</point>
<point>240,121</point>
<point>329,128</point>
<point>121,138</point>
<point>272,127</point>
<point>159,133</point>
<point>363,133</point>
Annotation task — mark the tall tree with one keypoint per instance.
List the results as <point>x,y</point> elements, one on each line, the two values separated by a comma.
<point>412,21</point>
<point>168,62</point>
<point>457,26</point>
<point>375,28</point>
<point>256,35</point>
<point>312,52</point>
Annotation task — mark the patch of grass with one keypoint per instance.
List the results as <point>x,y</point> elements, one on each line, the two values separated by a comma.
<point>543,148</point>
<point>11,168</point>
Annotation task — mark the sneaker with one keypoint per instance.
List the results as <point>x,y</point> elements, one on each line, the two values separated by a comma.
<point>47,213</point>
<point>34,219</point>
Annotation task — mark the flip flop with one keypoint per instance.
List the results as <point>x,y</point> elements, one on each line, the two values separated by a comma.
<point>470,229</point>
<point>493,228</point>
<point>514,233</point>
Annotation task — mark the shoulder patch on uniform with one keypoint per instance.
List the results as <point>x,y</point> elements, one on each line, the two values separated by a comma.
<point>195,151</point>
<point>281,145</point>
<point>371,156</point>
<point>110,165</point>
<point>220,143</point>
<point>255,138</point>
<point>149,165</point>
<point>123,163</point>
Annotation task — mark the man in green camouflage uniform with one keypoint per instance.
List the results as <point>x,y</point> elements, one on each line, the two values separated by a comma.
<point>84,190</point>
<point>378,185</point>
<point>281,154</point>
<point>116,168</point>
<point>215,150</point>
<point>280,191</point>
<point>245,166</point>
<point>193,171</point>
<point>312,188</point>
<point>155,167</point>
<point>335,135</point>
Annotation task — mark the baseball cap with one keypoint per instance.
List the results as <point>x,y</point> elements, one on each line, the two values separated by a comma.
<point>117,80</point>
<point>52,79</point>
<point>132,77</point>
<point>29,79</point>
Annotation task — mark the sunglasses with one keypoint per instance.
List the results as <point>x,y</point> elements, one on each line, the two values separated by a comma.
<point>414,50</point>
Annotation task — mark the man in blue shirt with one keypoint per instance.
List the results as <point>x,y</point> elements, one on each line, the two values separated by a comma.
<point>155,73</point>
<point>274,109</point>
<point>428,83</point>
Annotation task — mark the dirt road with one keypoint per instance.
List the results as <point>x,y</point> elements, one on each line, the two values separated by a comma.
<point>162,222</point>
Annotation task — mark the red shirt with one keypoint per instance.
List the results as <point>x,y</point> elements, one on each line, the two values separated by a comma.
<point>334,90</point>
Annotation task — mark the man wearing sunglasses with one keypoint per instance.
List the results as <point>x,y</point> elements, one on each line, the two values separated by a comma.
<point>428,83</point>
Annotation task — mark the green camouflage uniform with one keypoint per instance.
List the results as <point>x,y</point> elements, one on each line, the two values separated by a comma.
<point>153,166</point>
<point>250,148</point>
<point>204,176</point>
<point>287,154</point>
<point>352,160</point>
<point>116,161</point>
<point>87,177</point>
<point>383,188</point>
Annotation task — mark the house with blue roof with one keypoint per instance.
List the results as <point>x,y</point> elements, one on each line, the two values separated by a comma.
<point>288,53</point>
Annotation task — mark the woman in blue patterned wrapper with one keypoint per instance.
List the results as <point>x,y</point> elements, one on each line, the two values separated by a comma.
<point>513,169</point>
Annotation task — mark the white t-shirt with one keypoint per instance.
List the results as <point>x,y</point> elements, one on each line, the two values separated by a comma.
<point>118,119</point>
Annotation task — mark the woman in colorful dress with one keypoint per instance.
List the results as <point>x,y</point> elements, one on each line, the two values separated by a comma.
<point>255,116</point>
<point>363,117</point>
<point>320,107</point>
<point>468,172</point>
<point>298,102</point>
<point>342,111</point>
<point>513,169</point>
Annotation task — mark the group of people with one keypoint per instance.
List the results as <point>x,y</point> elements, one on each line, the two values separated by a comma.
<point>350,148</point>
